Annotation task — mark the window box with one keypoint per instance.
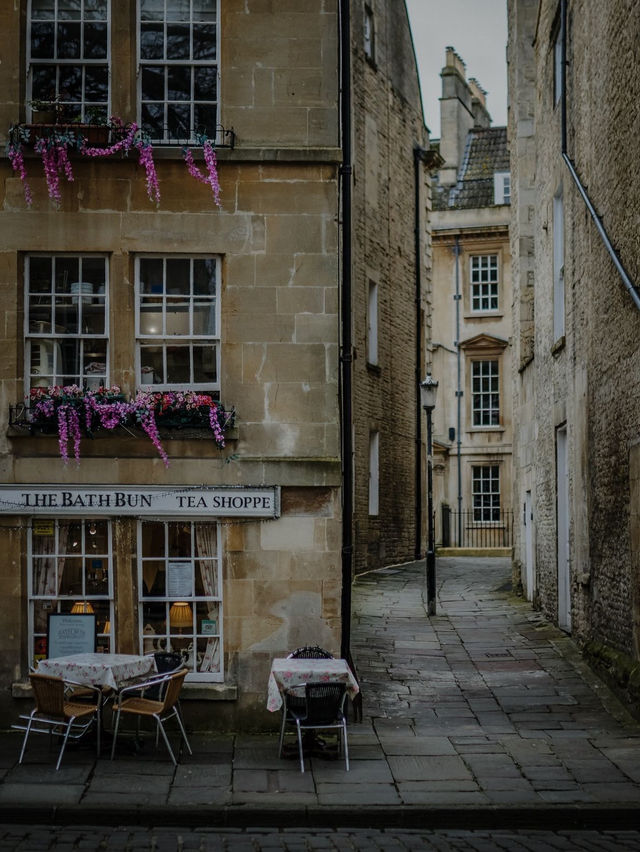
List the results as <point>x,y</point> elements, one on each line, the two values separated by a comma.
<point>91,134</point>
<point>72,411</point>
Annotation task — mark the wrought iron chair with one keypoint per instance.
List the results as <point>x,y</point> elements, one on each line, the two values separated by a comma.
<point>132,700</point>
<point>57,713</point>
<point>310,652</point>
<point>323,710</point>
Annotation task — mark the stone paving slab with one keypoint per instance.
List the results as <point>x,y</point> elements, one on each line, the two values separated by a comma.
<point>483,712</point>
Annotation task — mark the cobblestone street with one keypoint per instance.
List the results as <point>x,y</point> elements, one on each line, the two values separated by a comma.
<point>483,719</point>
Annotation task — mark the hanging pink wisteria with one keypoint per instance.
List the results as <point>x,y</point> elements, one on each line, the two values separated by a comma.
<point>74,411</point>
<point>54,148</point>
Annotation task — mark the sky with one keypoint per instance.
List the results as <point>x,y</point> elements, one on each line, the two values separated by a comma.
<point>477,29</point>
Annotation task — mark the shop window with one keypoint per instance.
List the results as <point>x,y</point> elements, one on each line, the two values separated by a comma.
<point>486,492</point>
<point>69,570</point>
<point>178,69</point>
<point>485,393</point>
<point>483,271</point>
<point>67,58</point>
<point>178,323</point>
<point>180,593</point>
<point>66,328</point>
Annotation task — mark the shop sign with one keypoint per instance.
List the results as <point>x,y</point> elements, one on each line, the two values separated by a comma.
<point>200,501</point>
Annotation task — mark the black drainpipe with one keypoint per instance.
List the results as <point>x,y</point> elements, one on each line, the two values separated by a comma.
<point>626,279</point>
<point>418,154</point>
<point>347,345</point>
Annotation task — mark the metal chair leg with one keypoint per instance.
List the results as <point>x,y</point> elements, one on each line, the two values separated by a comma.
<point>166,740</point>
<point>300,749</point>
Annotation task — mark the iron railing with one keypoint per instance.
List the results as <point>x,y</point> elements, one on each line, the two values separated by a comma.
<point>468,528</point>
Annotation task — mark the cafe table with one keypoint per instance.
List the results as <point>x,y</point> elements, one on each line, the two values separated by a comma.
<point>111,670</point>
<point>287,672</point>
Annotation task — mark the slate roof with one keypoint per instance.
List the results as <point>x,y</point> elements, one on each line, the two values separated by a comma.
<point>486,152</point>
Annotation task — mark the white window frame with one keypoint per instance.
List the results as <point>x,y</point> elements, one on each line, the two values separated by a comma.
<point>502,187</point>
<point>488,499</point>
<point>484,278</point>
<point>86,106</point>
<point>372,324</point>
<point>483,370</point>
<point>150,642</point>
<point>558,70</point>
<point>192,131</point>
<point>369,33</point>
<point>63,602</point>
<point>558,267</point>
<point>374,473</point>
<point>45,337</point>
<point>165,340</point>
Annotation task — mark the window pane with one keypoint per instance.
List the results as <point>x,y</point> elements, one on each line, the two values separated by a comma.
<point>179,83</point>
<point>204,319</point>
<point>153,540</point>
<point>95,10</point>
<point>206,119</point>
<point>43,9</point>
<point>204,277</point>
<point>152,10</point>
<point>153,83</point>
<point>153,120</point>
<point>179,121</point>
<point>178,371</point>
<point>68,40</point>
<point>71,83</point>
<point>205,83</point>
<point>95,41</point>
<point>151,41</point>
<point>42,40</point>
<point>204,10</point>
<point>152,365</point>
<point>69,9</point>
<point>204,41</point>
<point>151,275</point>
<point>179,539</point>
<point>178,276</point>
<point>177,10</point>
<point>204,364</point>
<point>43,86</point>
<point>96,84</point>
<point>178,41</point>
<point>177,318</point>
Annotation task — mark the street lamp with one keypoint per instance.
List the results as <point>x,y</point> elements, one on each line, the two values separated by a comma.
<point>428,393</point>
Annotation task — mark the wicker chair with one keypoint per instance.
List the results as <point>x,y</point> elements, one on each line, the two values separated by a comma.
<point>323,710</point>
<point>56,713</point>
<point>133,701</point>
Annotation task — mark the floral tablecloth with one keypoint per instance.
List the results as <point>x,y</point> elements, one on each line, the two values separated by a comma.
<point>287,672</point>
<point>98,669</point>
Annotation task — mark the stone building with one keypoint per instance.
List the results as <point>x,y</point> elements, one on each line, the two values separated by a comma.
<point>576,193</point>
<point>124,278</point>
<point>471,330</point>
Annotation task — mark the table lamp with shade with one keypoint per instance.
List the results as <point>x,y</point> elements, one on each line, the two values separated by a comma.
<point>81,606</point>
<point>180,615</point>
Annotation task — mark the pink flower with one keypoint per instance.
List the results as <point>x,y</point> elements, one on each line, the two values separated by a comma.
<point>211,177</point>
<point>146,159</point>
<point>17,164</point>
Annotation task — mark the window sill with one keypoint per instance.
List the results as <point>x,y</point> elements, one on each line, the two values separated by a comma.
<point>475,429</point>
<point>476,315</point>
<point>559,345</point>
<point>376,369</point>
